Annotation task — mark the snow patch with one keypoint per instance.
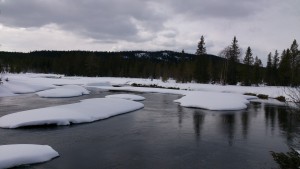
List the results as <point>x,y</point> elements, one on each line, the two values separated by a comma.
<point>214,101</point>
<point>127,97</point>
<point>21,154</point>
<point>64,91</point>
<point>88,110</point>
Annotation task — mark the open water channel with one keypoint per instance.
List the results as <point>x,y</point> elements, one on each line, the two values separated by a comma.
<point>161,135</point>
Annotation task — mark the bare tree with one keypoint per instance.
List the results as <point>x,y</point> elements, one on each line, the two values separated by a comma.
<point>225,53</point>
<point>294,95</point>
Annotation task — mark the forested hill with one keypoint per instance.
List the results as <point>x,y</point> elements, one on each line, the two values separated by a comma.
<point>180,66</point>
<point>142,64</point>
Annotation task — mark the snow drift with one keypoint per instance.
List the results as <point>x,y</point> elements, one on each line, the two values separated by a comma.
<point>88,110</point>
<point>64,91</point>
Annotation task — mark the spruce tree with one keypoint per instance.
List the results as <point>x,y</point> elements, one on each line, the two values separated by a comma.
<point>248,59</point>
<point>233,61</point>
<point>201,48</point>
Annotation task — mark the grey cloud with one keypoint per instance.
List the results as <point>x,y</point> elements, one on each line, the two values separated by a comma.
<point>228,9</point>
<point>94,18</point>
<point>169,33</point>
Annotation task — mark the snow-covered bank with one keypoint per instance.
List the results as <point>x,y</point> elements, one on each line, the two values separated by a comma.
<point>47,79</point>
<point>127,97</point>
<point>22,154</point>
<point>200,100</point>
<point>88,110</point>
<point>64,91</point>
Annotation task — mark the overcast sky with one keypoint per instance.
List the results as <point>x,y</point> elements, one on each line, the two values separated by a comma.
<point>116,25</point>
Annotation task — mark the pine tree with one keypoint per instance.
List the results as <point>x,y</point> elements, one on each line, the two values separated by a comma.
<point>248,62</point>
<point>201,48</point>
<point>268,76</point>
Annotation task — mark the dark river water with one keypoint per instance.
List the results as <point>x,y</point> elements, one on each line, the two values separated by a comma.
<point>162,135</point>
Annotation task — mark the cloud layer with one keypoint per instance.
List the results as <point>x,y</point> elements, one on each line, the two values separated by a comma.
<point>148,24</point>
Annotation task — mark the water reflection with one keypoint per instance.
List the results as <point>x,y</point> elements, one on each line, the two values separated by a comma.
<point>270,115</point>
<point>245,124</point>
<point>198,118</point>
<point>228,127</point>
<point>289,125</point>
<point>180,115</point>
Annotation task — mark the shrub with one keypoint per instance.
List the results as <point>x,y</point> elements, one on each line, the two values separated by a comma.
<point>263,96</point>
<point>250,94</point>
<point>289,160</point>
<point>281,98</point>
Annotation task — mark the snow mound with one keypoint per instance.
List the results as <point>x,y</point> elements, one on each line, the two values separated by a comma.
<point>127,97</point>
<point>21,87</point>
<point>21,154</point>
<point>64,91</point>
<point>214,101</point>
<point>88,110</point>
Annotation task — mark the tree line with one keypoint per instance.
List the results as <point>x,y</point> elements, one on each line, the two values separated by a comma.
<point>227,68</point>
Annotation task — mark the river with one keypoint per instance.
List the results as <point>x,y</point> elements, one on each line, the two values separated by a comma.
<point>161,135</point>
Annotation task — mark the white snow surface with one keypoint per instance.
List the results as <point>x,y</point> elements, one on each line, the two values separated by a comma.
<point>64,91</point>
<point>88,110</point>
<point>20,154</point>
<point>127,97</point>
